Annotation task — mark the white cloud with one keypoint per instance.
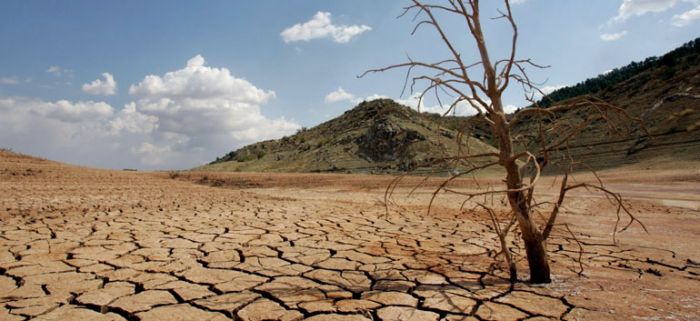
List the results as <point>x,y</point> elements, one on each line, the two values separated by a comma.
<point>197,81</point>
<point>75,112</point>
<point>550,88</point>
<point>372,97</point>
<point>62,110</point>
<point>53,69</point>
<point>687,17</point>
<point>129,120</point>
<point>106,87</point>
<point>59,71</point>
<point>321,26</point>
<point>462,108</point>
<point>613,36</point>
<point>69,131</point>
<point>181,119</point>
<point>630,8</point>
<point>151,154</point>
<point>545,90</point>
<point>203,112</point>
<point>509,109</point>
<point>338,95</point>
<point>518,1</point>
<point>9,81</point>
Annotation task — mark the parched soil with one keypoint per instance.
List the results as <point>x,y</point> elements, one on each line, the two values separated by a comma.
<point>85,244</point>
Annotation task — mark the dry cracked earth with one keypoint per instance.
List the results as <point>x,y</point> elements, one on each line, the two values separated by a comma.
<point>84,244</point>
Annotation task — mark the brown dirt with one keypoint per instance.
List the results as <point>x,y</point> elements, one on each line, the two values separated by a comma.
<point>86,244</point>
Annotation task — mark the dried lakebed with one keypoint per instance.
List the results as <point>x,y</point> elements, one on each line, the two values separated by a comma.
<point>83,244</point>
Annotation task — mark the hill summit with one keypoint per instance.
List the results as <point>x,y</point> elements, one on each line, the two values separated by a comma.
<point>374,137</point>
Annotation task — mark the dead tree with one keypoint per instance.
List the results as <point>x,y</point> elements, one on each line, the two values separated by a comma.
<point>480,85</point>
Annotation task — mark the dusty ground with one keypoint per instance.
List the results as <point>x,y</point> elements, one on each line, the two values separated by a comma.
<point>83,244</point>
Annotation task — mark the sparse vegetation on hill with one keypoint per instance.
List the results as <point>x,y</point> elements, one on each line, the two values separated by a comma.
<point>375,137</point>
<point>666,67</point>
<point>658,90</point>
<point>662,93</point>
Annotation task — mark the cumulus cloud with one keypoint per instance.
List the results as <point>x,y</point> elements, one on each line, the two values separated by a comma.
<point>339,95</point>
<point>197,81</point>
<point>70,131</point>
<point>102,87</point>
<point>462,108</point>
<point>613,36</point>
<point>321,26</point>
<point>686,18</point>
<point>151,154</point>
<point>414,101</point>
<point>181,119</point>
<point>71,112</point>
<point>62,110</point>
<point>202,112</point>
<point>129,120</point>
<point>201,108</point>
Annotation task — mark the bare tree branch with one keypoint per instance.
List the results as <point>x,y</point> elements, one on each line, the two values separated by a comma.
<point>523,155</point>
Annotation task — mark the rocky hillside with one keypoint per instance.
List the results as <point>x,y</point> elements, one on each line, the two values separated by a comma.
<point>375,137</point>
<point>663,93</point>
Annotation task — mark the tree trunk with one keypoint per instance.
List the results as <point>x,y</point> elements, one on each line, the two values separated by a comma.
<point>532,238</point>
<point>512,269</point>
<point>535,249</point>
<point>536,254</point>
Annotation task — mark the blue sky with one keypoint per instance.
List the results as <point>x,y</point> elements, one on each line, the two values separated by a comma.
<point>75,84</point>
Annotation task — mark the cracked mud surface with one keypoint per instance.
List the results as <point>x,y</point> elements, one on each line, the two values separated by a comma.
<point>83,244</point>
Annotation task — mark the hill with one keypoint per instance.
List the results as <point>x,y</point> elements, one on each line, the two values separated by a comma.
<point>661,96</point>
<point>374,137</point>
<point>663,68</point>
<point>663,93</point>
